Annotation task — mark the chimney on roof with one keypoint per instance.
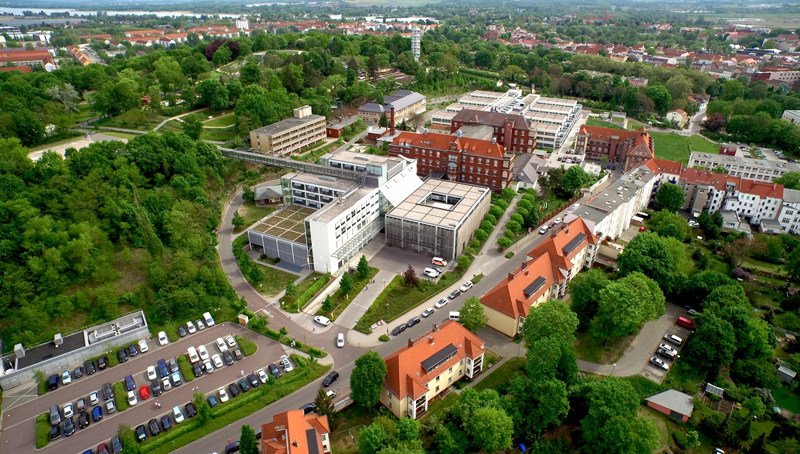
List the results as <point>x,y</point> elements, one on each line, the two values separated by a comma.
<point>410,343</point>
<point>294,443</point>
<point>391,119</point>
<point>435,327</point>
<point>431,340</point>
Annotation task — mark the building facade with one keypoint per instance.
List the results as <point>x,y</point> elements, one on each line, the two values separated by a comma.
<point>428,366</point>
<point>629,148</point>
<point>416,37</point>
<point>289,136</point>
<point>457,158</point>
<point>792,116</point>
<point>514,132</point>
<point>438,218</point>
<point>753,169</point>
<point>291,432</point>
<point>551,266</point>
<point>406,104</point>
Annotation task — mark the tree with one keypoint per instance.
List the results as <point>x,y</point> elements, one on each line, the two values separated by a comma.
<point>532,218</point>
<point>472,316</point>
<point>668,223</point>
<point>490,429</point>
<point>346,283</point>
<point>549,332</point>
<point>324,404</point>
<point>169,74</point>
<point>222,56</point>
<point>755,407</point>
<point>585,290</point>
<point>536,405</point>
<point>626,304</point>
<point>203,409</point>
<point>366,381</point>
<point>250,73</point>
<point>574,178</point>
<point>759,446</point>
<point>647,253</point>
<point>327,305</point>
<point>194,64</point>
<point>238,220</point>
<point>410,277</point>
<point>192,126</point>
<point>711,224</point>
<point>789,180</point>
<point>363,267</point>
<point>291,289</point>
<point>660,97</point>
<point>383,122</point>
<point>670,197</point>
<point>247,441</point>
<point>27,127</point>
<point>371,439</point>
<point>513,226</point>
<point>504,242</point>
<point>66,95</point>
<point>481,235</point>
<point>712,344</point>
<point>212,93</point>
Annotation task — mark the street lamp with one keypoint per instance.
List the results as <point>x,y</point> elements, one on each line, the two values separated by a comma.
<point>612,369</point>
<point>384,284</point>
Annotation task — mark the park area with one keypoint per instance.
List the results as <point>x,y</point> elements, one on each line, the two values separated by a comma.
<point>674,147</point>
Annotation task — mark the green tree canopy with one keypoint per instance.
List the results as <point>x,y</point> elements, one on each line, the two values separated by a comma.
<point>366,381</point>
<point>670,197</point>
<point>648,254</point>
<point>626,304</point>
<point>585,290</point>
<point>471,315</point>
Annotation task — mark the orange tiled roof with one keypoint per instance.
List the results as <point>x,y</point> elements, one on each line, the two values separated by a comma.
<point>406,377</point>
<point>673,167</point>
<point>762,188</point>
<point>443,142</point>
<point>297,426</point>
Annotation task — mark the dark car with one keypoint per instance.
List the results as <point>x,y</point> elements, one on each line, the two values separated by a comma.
<point>273,369</point>
<point>198,370</point>
<point>413,321</point>
<point>212,401</point>
<point>309,408</point>
<point>108,391</point>
<point>190,410</point>
<point>52,382</point>
<point>116,445</point>
<point>330,379</point>
<point>133,350</point>
<point>238,354</point>
<point>80,405</point>
<point>102,362</point>
<point>182,331</point>
<point>252,380</point>
<point>69,426</point>
<point>83,420</point>
<point>122,355</point>
<point>455,294</point>
<point>55,432</point>
<point>232,447</point>
<point>89,366</point>
<point>140,433</point>
<point>227,357</point>
<point>173,365</point>
<point>244,386</point>
<point>97,413</point>
<point>155,388</point>
<point>77,373</point>
<point>399,329</point>
<point>166,423</point>
<point>102,448</point>
<point>153,426</point>
<point>233,390</point>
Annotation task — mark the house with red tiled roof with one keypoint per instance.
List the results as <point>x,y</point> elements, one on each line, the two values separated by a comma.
<point>428,366</point>
<point>457,158</point>
<point>630,148</point>
<point>553,264</point>
<point>292,432</point>
<point>678,116</point>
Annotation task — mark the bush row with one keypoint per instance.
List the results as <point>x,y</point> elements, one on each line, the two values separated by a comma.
<point>315,287</point>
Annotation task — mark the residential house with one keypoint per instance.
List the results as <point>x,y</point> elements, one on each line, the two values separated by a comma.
<point>629,148</point>
<point>678,116</point>
<point>291,432</point>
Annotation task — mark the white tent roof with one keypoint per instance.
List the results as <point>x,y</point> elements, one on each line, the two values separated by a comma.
<point>401,186</point>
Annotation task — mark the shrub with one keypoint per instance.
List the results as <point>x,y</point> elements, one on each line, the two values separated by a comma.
<point>481,235</point>
<point>42,430</point>
<point>680,439</point>
<point>491,219</point>
<point>120,396</point>
<point>475,243</point>
<point>504,242</point>
<point>486,226</point>
<point>502,204</point>
<point>509,255</point>
<point>516,217</point>
<point>384,338</point>
<point>315,287</point>
<point>509,234</point>
<point>248,347</point>
<point>496,211</point>
<point>464,262</point>
<point>315,351</point>
<point>186,368</point>
<point>300,361</point>
<point>272,334</point>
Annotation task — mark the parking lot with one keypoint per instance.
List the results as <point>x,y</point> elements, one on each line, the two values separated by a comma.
<point>18,433</point>
<point>655,372</point>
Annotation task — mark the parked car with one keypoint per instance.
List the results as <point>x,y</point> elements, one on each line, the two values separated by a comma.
<point>454,294</point>
<point>116,445</point>
<point>111,407</point>
<point>94,398</point>
<point>287,365</point>
<point>230,341</point>
<point>309,408</point>
<point>83,420</point>
<point>166,424</point>
<point>144,392</point>
<point>173,365</point>
<point>441,303</point>
<point>228,358</point>
<point>233,389</point>
<point>176,379</point>
<point>273,369</point>
<point>253,381</point>
<point>669,354</point>
<point>167,383</point>
<point>108,391</point>
<point>140,433</point>
<point>122,355</point>
<point>153,426</point>
<point>322,320</point>
<point>68,411</point>
<point>151,373</point>
<point>181,331</point>
<point>143,346</point>
<point>69,427</point>
<point>97,413</point>
<point>427,312</point>
<point>330,378</point>
<point>465,286</point>
<point>221,345</point>
<point>89,366</point>
<point>162,338</point>
<point>217,360</point>
<point>132,400</point>
<point>413,321</point>
<point>163,371</point>
<point>430,272</point>
<point>52,382</point>
<point>190,327</point>
<point>190,410</point>
<point>237,353</point>
<point>673,339</point>
<point>559,220</point>
<point>212,401</point>
<point>102,448</point>
<point>66,378</point>
<point>243,385</point>
<point>102,362</point>
<point>156,388</point>
<point>686,323</point>
<point>133,350</point>
<point>200,325</point>
<point>340,340</point>
<point>262,375</point>
<point>399,329</point>
<point>439,261</point>
<point>659,363</point>
<point>692,312</point>
<point>208,367</point>
<point>543,230</point>
<point>130,385</point>
<point>203,352</point>
<point>55,432</point>
<point>223,395</point>
<point>78,372</point>
<point>177,414</point>
<point>80,405</point>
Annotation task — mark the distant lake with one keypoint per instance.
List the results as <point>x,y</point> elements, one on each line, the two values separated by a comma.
<point>18,12</point>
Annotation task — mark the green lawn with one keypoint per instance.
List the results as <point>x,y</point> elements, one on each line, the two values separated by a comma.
<point>121,135</point>
<point>248,347</point>
<point>753,264</point>
<point>186,368</point>
<point>500,376</point>
<point>397,298</point>
<point>120,396</point>
<point>314,154</point>
<point>592,349</point>
<point>353,419</point>
<point>674,147</point>
<point>225,120</point>
<point>786,399</point>
<point>49,146</point>
<point>682,376</point>
<point>236,408</point>
<point>341,301</point>
<point>252,214</point>
<point>133,119</point>
<point>301,288</point>
<point>172,125</point>
<point>438,406</point>
<point>274,280</point>
<point>218,135</point>
<point>42,430</point>
<point>602,123</point>
<point>664,424</point>
<point>84,113</point>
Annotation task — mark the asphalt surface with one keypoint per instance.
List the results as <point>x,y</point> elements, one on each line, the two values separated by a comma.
<point>19,432</point>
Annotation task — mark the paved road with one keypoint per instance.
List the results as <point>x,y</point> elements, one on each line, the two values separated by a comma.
<point>19,435</point>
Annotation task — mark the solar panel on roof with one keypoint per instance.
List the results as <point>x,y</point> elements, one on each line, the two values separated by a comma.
<point>439,357</point>
<point>534,286</point>
<point>575,242</point>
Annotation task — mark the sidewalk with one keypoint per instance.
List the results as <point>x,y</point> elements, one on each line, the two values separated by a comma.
<point>359,305</point>
<point>489,256</point>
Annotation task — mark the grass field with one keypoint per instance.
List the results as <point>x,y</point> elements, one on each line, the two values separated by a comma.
<point>121,135</point>
<point>252,214</point>
<point>133,119</point>
<point>786,399</point>
<point>500,376</point>
<point>274,280</point>
<point>754,264</point>
<point>218,135</point>
<point>674,147</point>
<point>590,348</point>
<point>84,113</point>
<point>341,301</point>
<point>664,424</point>
<point>225,120</point>
<point>602,123</point>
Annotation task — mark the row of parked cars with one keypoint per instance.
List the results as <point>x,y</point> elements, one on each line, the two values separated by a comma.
<point>198,325</point>
<point>669,350</point>
<point>439,304</point>
<point>156,426</point>
<point>202,362</point>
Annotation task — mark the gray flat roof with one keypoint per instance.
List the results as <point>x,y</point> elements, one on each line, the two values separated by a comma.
<point>674,400</point>
<point>400,99</point>
<point>345,122</point>
<point>287,124</point>
<point>324,180</point>
<point>333,209</point>
<point>449,216</point>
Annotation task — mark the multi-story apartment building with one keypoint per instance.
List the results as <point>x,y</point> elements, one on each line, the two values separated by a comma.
<point>291,135</point>
<point>753,169</point>
<point>458,158</point>
<point>513,131</point>
<point>27,58</point>
<point>792,116</point>
<point>629,148</point>
<point>789,216</point>
<point>552,265</point>
<point>428,366</point>
<point>292,432</point>
<point>406,104</point>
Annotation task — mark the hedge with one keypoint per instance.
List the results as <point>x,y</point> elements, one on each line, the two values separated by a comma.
<point>272,334</point>
<point>248,347</point>
<point>186,368</point>
<point>316,287</point>
<point>479,73</point>
<point>42,430</point>
<point>299,360</point>
<point>120,396</point>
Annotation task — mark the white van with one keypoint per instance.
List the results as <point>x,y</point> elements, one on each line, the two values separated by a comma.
<point>455,315</point>
<point>193,357</point>
<point>209,321</point>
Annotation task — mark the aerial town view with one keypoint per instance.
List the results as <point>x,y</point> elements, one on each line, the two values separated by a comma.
<point>399,227</point>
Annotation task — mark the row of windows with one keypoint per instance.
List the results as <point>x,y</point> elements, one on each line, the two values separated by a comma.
<point>478,181</point>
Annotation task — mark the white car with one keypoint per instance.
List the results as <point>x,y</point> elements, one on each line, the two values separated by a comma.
<point>66,378</point>
<point>340,340</point>
<point>287,365</point>
<point>200,325</point>
<point>430,272</point>
<point>177,414</point>
<point>439,261</point>
<point>427,312</point>
<point>322,320</point>
<point>151,372</point>
<point>190,327</point>
<point>68,411</point>
<point>465,286</point>
<point>558,221</point>
<point>666,347</point>
<point>221,345</point>
<point>692,312</point>
<point>330,393</point>
<point>167,383</point>
<point>94,398</point>
<point>132,400</point>
<point>659,363</point>
<point>217,361</point>
<point>201,350</point>
<point>230,341</point>
<point>543,230</point>
<point>262,375</point>
<point>223,396</point>
<point>143,346</point>
<point>162,338</point>
<point>208,367</point>
<point>440,304</point>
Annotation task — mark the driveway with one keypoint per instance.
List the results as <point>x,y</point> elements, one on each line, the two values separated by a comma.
<point>19,435</point>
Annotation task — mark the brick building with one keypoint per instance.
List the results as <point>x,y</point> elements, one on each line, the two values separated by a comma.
<point>630,148</point>
<point>458,158</point>
<point>515,132</point>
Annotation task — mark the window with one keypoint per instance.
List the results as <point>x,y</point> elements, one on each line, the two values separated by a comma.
<point>390,395</point>
<point>471,160</point>
<point>450,380</point>
<point>460,371</point>
<point>451,369</point>
<point>437,379</point>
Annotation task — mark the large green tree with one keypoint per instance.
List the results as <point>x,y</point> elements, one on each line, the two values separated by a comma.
<point>668,223</point>
<point>549,332</point>
<point>192,126</point>
<point>712,344</point>
<point>626,304</point>
<point>247,441</point>
<point>471,315</point>
<point>366,381</point>
<point>670,197</point>
<point>648,254</point>
<point>490,429</point>
<point>585,290</point>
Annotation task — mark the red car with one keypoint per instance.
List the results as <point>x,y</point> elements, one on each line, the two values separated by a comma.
<point>642,228</point>
<point>144,392</point>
